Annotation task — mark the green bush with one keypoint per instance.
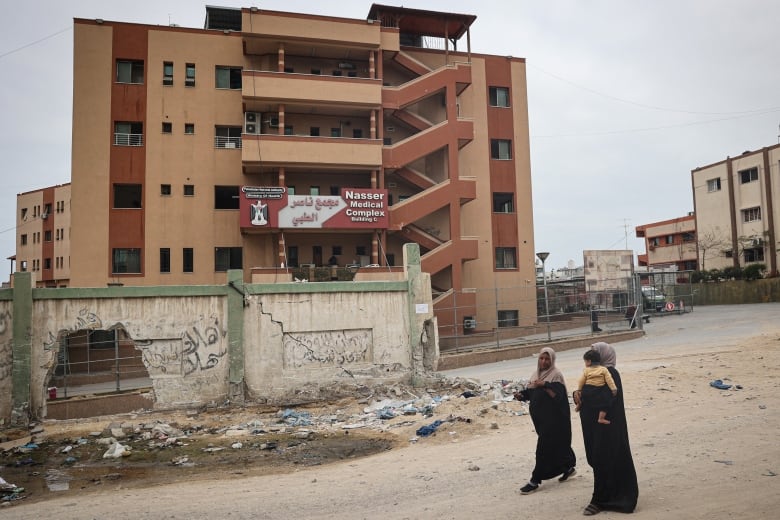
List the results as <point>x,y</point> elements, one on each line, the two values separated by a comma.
<point>754,271</point>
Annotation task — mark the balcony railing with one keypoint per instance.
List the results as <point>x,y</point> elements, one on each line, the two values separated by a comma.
<point>227,142</point>
<point>128,139</point>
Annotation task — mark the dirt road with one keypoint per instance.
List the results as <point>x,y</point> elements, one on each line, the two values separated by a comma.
<point>700,452</point>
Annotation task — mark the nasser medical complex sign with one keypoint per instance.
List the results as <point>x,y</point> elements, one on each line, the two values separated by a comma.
<point>274,208</point>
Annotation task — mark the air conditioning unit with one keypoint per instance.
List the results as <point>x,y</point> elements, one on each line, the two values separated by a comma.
<point>469,323</point>
<point>758,242</point>
<point>44,215</point>
<point>252,122</point>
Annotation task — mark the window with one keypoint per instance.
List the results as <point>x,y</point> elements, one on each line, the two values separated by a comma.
<point>499,97</point>
<point>165,189</point>
<point>288,130</point>
<point>336,251</point>
<point>24,213</point>
<point>227,258</point>
<point>360,250</point>
<point>47,263</point>
<point>669,239</point>
<point>503,203</point>
<point>357,133</point>
<point>167,128</point>
<point>713,185</point>
<point>755,254</point>
<point>314,131</point>
<point>187,260</point>
<point>748,175</point>
<point>728,254</point>
<point>167,73</point>
<point>508,319</point>
<point>292,256</point>
<point>228,77</point>
<point>227,137</point>
<point>189,75</point>
<point>126,260</point>
<point>189,128</point>
<point>165,259</point>
<point>189,190</point>
<point>128,133</point>
<point>335,132</point>
<point>505,258</point>
<point>127,195</point>
<point>316,71</point>
<point>689,237</point>
<point>129,71</point>
<point>501,149</point>
<point>314,190</point>
<point>335,191</point>
<point>23,239</point>
<point>226,197</point>
<point>289,70</point>
<point>336,73</point>
<point>101,339</point>
<point>290,190</point>
<point>47,235</point>
<point>47,208</point>
<point>751,214</point>
<point>387,141</point>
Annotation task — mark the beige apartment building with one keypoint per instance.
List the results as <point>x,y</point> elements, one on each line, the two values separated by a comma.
<point>737,214</point>
<point>43,235</point>
<point>669,244</point>
<point>269,140</point>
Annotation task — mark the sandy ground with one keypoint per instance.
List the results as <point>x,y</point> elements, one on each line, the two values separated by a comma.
<point>700,452</point>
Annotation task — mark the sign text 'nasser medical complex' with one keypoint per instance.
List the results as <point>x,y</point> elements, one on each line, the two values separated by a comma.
<point>273,208</point>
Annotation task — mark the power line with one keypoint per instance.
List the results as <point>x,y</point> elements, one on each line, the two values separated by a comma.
<point>52,35</point>
<point>651,107</point>
<point>666,127</point>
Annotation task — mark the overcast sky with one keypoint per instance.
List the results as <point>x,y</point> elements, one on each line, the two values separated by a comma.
<point>625,98</point>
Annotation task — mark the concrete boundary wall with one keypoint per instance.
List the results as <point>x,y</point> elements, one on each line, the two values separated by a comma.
<point>239,342</point>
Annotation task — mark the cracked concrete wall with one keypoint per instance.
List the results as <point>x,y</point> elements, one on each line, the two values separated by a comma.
<point>209,344</point>
<point>6,359</point>
<point>318,338</point>
<point>183,341</point>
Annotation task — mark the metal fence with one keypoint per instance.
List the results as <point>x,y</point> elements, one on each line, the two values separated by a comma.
<point>497,317</point>
<point>96,362</point>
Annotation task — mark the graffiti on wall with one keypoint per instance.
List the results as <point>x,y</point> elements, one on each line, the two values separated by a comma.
<point>327,349</point>
<point>6,345</point>
<point>86,320</point>
<point>199,348</point>
<point>202,348</point>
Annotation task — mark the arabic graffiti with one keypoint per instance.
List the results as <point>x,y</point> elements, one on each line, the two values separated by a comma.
<point>331,348</point>
<point>159,356</point>
<point>6,360</point>
<point>86,320</point>
<point>6,323</point>
<point>202,348</point>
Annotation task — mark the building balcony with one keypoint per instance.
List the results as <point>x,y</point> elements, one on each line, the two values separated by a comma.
<point>263,26</point>
<point>323,152</point>
<point>288,88</point>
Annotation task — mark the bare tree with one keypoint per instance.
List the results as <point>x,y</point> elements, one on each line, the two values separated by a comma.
<point>709,241</point>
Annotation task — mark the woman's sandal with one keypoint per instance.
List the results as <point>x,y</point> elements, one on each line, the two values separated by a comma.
<point>591,510</point>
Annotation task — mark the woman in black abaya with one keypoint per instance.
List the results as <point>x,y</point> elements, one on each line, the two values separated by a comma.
<point>607,448</point>
<point>550,413</point>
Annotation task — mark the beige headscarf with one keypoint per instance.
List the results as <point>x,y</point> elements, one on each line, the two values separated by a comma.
<point>552,374</point>
<point>607,353</point>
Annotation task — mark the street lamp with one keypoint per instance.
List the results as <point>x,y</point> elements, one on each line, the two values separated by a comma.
<point>543,256</point>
